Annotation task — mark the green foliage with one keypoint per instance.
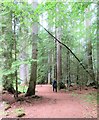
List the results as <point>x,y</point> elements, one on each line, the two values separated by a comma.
<point>61,85</point>
<point>88,97</point>
<point>67,15</point>
<point>22,88</point>
<point>19,112</point>
<point>15,66</point>
<point>91,97</point>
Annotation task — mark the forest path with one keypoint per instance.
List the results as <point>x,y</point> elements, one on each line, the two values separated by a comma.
<point>54,105</point>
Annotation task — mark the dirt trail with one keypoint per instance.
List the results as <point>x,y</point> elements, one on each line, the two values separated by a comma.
<point>54,105</point>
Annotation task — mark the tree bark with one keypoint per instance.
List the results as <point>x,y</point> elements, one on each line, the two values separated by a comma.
<point>68,70</point>
<point>52,75</point>
<point>49,70</point>
<point>89,48</point>
<point>24,71</point>
<point>7,54</point>
<point>33,76</point>
<point>59,64</point>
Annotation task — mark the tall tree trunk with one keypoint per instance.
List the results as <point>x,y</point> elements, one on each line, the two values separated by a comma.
<point>58,53</point>
<point>49,70</point>
<point>59,64</point>
<point>24,71</point>
<point>8,46</point>
<point>33,76</point>
<point>89,48</point>
<point>68,70</point>
<point>55,59</point>
<point>15,49</point>
<point>52,75</point>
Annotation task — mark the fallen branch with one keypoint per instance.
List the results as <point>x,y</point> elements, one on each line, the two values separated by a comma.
<point>67,48</point>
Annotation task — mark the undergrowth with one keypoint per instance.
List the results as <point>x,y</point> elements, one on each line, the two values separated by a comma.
<point>92,97</point>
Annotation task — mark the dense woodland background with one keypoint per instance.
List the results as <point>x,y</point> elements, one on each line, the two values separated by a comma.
<point>43,41</point>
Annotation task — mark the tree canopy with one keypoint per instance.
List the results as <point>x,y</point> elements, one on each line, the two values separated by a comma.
<point>76,24</point>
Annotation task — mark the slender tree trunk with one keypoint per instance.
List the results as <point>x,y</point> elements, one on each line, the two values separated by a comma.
<point>97,71</point>
<point>49,70</point>
<point>33,76</point>
<point>52,75</point>
<point>24,68</point>
<point>68,70</point>
<point>55,59</point>
<point>89,48</point>
<point>24,71</point>
<point>15,48</point>
<point>90,61</point>
<point>8,46</point>
<point>59,64</point>
<point>77,79</point>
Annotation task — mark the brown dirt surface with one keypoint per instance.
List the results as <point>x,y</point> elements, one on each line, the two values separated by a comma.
<point>49,104</point>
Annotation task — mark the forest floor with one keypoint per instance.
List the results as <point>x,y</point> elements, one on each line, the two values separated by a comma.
<point>63,104</point>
